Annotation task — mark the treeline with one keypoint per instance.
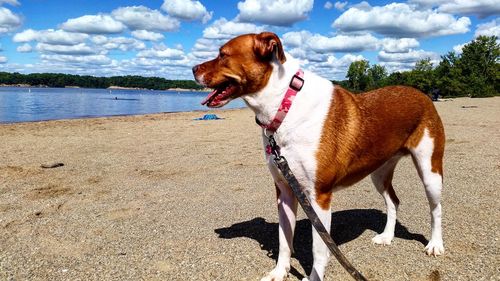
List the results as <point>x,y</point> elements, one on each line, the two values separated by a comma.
<point>59,80</point>
<point>474,73</point>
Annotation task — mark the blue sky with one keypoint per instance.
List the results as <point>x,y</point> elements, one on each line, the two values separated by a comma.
<point>166,38</point>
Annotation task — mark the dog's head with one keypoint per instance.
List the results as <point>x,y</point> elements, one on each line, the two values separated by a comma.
<point>243,66</point>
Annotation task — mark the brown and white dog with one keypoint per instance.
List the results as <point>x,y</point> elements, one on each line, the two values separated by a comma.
<point>330,137</point>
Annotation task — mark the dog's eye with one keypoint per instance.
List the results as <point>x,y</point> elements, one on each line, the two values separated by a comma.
<point>222,55</point>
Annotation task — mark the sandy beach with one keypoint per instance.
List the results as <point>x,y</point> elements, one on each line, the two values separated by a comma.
<point>164,197</point>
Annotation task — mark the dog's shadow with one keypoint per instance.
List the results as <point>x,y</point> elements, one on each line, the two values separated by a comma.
<point>346,226</point>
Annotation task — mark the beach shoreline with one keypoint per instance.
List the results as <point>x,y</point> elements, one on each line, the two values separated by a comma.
<point>165,197</point>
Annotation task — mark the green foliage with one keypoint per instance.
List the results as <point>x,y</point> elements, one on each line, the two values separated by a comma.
<point>448,76</point>
<point>358,75</point>
<point>376,76</point>
<point>362,77</point>
<point>59,80</point>
<point>479,66</point>
<point>474,73</point>
<point>422,76</point>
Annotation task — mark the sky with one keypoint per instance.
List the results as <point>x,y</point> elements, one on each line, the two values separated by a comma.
<point>167,38</point>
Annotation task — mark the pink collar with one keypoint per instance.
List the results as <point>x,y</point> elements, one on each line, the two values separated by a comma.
<point>295,86</point>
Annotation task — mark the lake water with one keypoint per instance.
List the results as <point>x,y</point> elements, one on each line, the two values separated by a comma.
<point>35,104</point>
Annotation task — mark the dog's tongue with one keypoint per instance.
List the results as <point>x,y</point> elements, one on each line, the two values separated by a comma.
<point>209,97</point>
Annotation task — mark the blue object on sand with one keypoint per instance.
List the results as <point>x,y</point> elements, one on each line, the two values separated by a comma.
<point>209,117</point>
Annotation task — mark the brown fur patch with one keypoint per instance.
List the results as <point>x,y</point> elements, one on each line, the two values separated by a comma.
<point>362,132</point>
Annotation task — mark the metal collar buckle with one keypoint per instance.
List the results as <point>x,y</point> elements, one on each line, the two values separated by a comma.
<point>296,83</point>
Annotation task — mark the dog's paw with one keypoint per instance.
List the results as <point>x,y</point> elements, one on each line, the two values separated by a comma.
<point>434,248</point>
<point>382,239</point>
<point>276,274</point>
<point>305,279</point>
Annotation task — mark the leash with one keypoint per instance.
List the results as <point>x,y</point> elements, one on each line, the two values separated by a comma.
<point>304,202</point>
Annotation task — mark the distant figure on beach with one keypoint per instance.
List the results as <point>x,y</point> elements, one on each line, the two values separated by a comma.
<point>435,94</point>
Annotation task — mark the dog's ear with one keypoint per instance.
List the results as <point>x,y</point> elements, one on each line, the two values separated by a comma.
<point>267,45</point>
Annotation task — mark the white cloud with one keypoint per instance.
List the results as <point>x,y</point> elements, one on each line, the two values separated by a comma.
<point>480,8</point>
<point>400,20</point>
<point>8,20</point>
<point>424,4</point>
<point>204,49</point>
<point>11,2</point>
<point>147,35</point>
<point>3,59</point>
<point>162,52</point>
<point>187,10</point>
<point>322,44</point>
<point>334,68</point>
<point>215,35</point>
<point>94,24</point>
<point>278,12</point>
<point>143,18</point>
<point>295,38</point>
<point>491,28</point>
<point>328,5</point>
<point>393,66</point>
<point>156,63</point>
<point>99,39</point>
<point>72,59</point>
<point>411,56</point>
<point>342,43</point>
<point>120,43</point>
<point>458,48</point>
<point>401,45</point>
<point>340,5</point>
<point>50,36</point>
<point>78,49</point>
<point>25,48</point>
<point>224,29</point>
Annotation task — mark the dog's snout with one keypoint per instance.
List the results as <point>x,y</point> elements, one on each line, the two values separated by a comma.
<point>195,68</point>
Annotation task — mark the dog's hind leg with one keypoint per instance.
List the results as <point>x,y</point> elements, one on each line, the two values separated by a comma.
<point>382,179</point>
<point>428,159</point>
<point>287,211</point>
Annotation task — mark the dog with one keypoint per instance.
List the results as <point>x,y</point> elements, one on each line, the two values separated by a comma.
<point>330,137</point>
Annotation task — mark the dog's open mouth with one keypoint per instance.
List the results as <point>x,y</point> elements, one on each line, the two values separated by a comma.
<point>221,95</point>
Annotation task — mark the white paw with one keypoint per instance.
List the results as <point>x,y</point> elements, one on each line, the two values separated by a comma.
<point>276,274</point>
<point>382,239</point>
<point>434,248</point>
<point>305,279</point>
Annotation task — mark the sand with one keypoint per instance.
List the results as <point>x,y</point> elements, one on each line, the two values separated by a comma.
<point>163,197</point>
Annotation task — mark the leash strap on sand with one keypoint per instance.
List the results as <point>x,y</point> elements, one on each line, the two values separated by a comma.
<point>282,165</point>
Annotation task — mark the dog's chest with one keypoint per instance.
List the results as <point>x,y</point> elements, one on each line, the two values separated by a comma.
<point>300,133</point>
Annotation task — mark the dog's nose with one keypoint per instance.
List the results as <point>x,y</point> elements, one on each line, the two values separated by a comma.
<point>195,68</point>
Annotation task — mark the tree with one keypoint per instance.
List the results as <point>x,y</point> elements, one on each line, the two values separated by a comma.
<point>448,76</point>
<point>357,75</point>
<point>479,67</point>
<point>422,76</point>
<point>62,80</point>
<point>376,76</point>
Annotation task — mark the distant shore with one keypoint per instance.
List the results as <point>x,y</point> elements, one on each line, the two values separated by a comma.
<point>109,88</point>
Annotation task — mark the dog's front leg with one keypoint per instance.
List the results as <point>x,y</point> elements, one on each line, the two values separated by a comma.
<point>321,253</point>
<point>287,210</point>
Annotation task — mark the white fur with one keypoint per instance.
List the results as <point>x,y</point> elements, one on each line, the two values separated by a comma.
<point>378,177</point>
<point>433,183</point>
